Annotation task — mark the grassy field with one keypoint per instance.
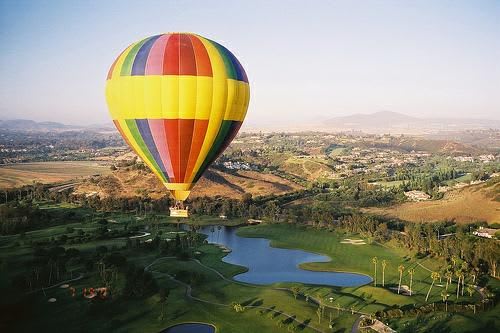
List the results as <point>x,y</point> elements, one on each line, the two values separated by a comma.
<point>141,315</point>
<point>307,168</point>
<point>339,151</point>
<point>465,178</point>
<point>367,298</point>
<point>77,315</point>
<point>354,258</point>
<point>469,204</point>
<point>394,183</point>
<point>13,175</point>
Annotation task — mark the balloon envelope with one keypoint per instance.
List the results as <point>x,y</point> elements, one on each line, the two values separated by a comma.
<point>178,100</point>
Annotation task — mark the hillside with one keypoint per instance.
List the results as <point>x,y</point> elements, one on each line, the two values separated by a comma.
<point>473,203</point>
<point>130,183</point>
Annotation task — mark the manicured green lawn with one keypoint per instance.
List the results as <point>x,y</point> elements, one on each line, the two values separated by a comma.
<point>358,259</point>
<point>141,315</point>
<point>394,183</point>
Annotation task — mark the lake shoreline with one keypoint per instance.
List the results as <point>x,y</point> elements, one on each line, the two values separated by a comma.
<point>290,265</point>
<point>304,266</point>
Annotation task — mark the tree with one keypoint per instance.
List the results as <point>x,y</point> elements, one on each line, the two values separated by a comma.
<point>321,305</point>
<point>295,291</point>
<point>374,261</point>
<point>401,269</point>
<point>247,199</point>
<point>411,271</point>
<point>464,268</point>
<point>384,265</point>
<point>163,301</point>
<point>474,273</point>
<point>458,274</point>
<point>319,313</point>
<point>444,295</point>
<point>237,307</point>
<point>434,277</point>
<point>448,276</point>
<point>470,290</point>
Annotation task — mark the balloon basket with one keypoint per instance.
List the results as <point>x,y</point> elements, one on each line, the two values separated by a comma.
<point>175,212</point>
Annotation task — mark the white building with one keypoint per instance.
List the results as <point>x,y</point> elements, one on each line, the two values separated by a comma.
<point>417,195</point>
<point>485,232</point>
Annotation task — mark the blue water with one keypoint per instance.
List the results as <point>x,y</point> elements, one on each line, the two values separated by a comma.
<point>267,265</point>
<point>190,328</point>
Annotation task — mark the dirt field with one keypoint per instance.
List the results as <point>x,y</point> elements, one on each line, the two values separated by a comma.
<point>13,175</point>
<point>473,203</point>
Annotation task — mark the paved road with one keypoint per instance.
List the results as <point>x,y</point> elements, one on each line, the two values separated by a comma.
<point>355,326</point>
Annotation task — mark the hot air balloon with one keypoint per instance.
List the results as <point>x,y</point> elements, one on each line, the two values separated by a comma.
<point>178,100</point>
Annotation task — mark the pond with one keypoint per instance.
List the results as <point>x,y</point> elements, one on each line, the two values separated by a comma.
<point>267,265</point>
<point>190,328</point>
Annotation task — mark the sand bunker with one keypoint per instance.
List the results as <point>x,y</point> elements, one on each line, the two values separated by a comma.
<point>224,249</point>
<point>353,241</point>
<point>52,300</point>
<point>405,290</point>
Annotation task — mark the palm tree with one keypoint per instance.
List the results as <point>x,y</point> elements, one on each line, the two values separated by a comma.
<point>411,271</point>
<point>374,261</point>
<point>321,305</point>
<point>163,300</point>
<point>454,260</point>
<point>434,277</point>
<point>319,314</point>
<point>464,268</point>
<point>458,274</point>
<point>384,265</point>
<point>462,276</point>
<point>444,295</point>
<point>448,275</point>
<point>470,290</point>
<point>474,275</point>
<point>401,269</point>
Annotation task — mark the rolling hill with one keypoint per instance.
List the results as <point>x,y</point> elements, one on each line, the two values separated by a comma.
<point>130,183</point>
<point>470,204</point>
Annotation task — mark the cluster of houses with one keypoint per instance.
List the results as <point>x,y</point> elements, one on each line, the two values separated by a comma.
<point>236,165</point>
<point>417,195</point>
<point>485,232</point>
<point>483,158</point>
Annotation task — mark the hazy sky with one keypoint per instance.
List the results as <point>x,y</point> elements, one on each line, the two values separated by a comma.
<point>306,60</point>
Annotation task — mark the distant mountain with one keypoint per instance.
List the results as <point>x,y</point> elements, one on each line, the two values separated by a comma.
<point>394,122</point>
<point>31,125</point>
<point>373,119</point>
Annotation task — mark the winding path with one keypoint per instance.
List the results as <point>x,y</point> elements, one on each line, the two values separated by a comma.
<point>79,277</point>
<point>189,290</point>
<point>355,326</point>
